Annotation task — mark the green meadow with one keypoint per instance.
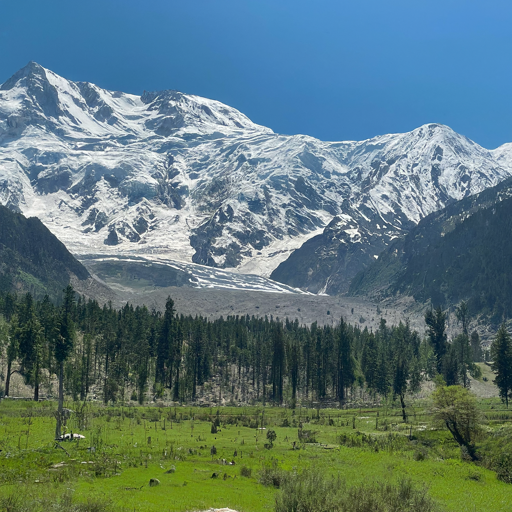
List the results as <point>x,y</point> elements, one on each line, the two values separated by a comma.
<point>198,468</point>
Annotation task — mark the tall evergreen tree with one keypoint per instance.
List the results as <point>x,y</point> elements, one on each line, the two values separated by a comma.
<point>476,348</point>
<point>164,347</point>
<point>345,364</point>
<point>63,347</point>
<point>501,354</point>
<point>278,363</point>
<point>462,343</point>
<point>462,352</point>
<point>30,342</point>
<point>370,360</point>
<point>436,327</point>
<point>12,352</point>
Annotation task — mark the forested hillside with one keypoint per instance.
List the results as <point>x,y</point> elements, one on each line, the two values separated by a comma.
<point>32,258</point>
<point>463,252</point>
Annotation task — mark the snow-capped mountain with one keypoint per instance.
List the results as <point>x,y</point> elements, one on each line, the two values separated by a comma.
<point>175,176</point>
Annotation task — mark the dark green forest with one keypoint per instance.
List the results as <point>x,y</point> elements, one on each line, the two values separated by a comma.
<point>32,259</point>
<point>137,354</point>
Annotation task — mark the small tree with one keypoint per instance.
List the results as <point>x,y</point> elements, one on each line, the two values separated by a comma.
<point>456,408</point>
<point>271,436</point>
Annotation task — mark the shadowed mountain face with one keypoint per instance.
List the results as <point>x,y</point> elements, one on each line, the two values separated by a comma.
<point>32,259</point>
<point>463,252</point>
<point>176,176</point>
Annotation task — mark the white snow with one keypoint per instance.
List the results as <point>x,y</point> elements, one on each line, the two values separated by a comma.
<point>170,162</point>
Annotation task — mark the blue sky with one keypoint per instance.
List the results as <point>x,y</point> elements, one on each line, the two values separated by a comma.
<point>333,69</point>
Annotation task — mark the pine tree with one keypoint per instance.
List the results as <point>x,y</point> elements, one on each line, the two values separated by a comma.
<point>345,364</point>
<point>164,347</point>
<point>462,352</point>
<point>436,324</point>
<point>63,347</point>
<point>476,348</point>
<point>370,361</point>
<point>501,354</point>
<point>461,343</point>
<point>278,363</point>
<point>30,341</point>
<point>293,358</point>
<point>12,352</point>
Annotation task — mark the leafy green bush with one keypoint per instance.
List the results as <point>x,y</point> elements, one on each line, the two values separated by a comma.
<point>245,471</point>
<point>495,452</point>
<point>272,475</point>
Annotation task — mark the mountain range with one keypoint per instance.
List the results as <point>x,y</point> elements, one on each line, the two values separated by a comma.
<point>176,177</point>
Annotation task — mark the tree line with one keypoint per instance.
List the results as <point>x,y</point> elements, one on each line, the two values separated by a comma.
<point>112,352</point>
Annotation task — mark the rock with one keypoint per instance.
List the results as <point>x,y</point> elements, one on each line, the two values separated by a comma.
<point>70,437</point>
<point>153,482</point>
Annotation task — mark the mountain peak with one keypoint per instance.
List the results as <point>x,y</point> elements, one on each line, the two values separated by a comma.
<point>433,129</point>
<point>31,70</point>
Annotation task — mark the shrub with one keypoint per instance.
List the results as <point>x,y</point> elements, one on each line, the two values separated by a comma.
<point>63,503</point>
<point>311,492</point>
<point>306,436</point>
<point>245,471</point>
<point>495,452</point>
<point>272,475</point>
<point>271,436</point>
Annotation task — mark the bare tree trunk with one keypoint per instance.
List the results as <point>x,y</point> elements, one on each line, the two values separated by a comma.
<point>8,378</point>
<point>402,403</point>
<point>36,383</point>
<point>61,401</point>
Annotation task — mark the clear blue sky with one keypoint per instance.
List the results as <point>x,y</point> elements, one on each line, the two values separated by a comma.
<point>333,69</point>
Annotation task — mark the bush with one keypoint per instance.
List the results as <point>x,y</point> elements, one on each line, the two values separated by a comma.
<point>63,503</point>
<point>306,436</point>
<point>311,492</point>
<point>271,436</point>
<point>245,471</point>
<point>495,452</point>
<point>420,454</point>
<point>272,475</point>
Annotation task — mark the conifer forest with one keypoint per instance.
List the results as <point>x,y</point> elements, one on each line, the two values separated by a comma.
<point>133,353</point>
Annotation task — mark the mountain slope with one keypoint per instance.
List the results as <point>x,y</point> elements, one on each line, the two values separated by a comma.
<point>463,252</point>
<point>32,259</point>
<point>179,177</point>
<point>402,178</point>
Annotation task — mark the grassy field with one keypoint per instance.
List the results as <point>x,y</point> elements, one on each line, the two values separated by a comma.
<point>125,447</point>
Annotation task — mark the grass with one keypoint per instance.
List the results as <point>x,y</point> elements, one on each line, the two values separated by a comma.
<point>127,446</point>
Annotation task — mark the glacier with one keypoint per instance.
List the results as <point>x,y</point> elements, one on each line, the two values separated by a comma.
<point>169,176</point>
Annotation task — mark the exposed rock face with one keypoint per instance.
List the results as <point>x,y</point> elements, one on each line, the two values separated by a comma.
<point>187,178</point>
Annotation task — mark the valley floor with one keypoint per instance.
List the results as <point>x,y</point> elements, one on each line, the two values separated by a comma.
<point>198,468</point>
